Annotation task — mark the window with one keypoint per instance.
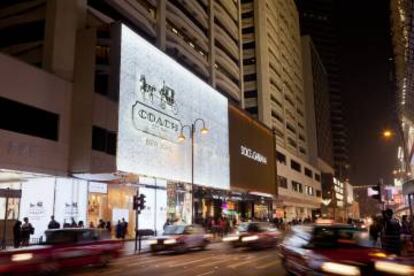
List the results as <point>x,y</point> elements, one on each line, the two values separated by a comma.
<point>308,173</point>
<point>310,190</point>
<point>297,187</point>
<point>248,30</point>
<point>103,140</point>
<point>282,182</point>
<point>250,94</point>
<point>249,45</point>
<point>251,77</point>
<point>281,158</point>
<point>29,120</point>
<point>295,165</point>
<point>318,193</point>
<point>318,177</point>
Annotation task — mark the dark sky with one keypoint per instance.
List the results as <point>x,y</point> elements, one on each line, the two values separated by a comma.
<point>365,49</point>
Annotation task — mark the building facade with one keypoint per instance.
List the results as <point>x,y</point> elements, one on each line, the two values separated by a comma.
<point>274,93</point>
<point>69,59</point>
<point>402,38</point>
<point>317,19</point>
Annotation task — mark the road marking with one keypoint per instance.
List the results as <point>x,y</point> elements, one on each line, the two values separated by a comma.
<point>190,262</point>
<point>250,260</point>
<point>268,264</point>
<point>213,263</point>
<point>206,273</point>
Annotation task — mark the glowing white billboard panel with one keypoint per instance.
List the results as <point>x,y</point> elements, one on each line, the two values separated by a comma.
<point>157,97</point>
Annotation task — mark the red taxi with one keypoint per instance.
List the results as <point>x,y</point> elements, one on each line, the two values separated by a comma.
<point>329,249</point>
<point>254,235</point>
<point>63,248</point>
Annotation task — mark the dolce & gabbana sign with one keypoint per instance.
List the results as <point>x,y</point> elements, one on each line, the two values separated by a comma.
<point>156,97</point>
<point>252,164</point>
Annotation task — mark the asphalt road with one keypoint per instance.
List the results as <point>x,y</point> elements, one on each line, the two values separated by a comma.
<point>218,259</point>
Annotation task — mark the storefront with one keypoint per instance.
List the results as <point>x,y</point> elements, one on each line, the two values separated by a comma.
<point>252,165</point>
<point>160,102</point>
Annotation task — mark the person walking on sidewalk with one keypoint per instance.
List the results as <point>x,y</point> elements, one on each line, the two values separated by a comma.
<point>27,230</point>
<point>53,224</point>
<point>17,233</point>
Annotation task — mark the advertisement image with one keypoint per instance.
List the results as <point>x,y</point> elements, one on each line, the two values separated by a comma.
<point>159,100</point>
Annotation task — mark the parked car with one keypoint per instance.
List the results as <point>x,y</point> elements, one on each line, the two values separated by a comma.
<point>63,248</point>
<point>254,235</point>
<point>180,238</point>
<point>329,249</point>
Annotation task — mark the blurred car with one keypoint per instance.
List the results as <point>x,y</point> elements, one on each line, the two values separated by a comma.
<point>63,248</point>
<point>180,238</point>
<point>254,235</point>
<point>330,249</point>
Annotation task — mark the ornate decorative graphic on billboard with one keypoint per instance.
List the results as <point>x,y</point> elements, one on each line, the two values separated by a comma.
<point>156,97</point>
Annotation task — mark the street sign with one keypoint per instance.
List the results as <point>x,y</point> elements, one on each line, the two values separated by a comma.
<point>4,193</point>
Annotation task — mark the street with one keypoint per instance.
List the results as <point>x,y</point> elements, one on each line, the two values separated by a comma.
<point>218,259</point>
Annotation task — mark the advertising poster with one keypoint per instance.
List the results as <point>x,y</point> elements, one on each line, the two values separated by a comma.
<point>157,99</point>
<point>35,205</point>
<point>71,200</point>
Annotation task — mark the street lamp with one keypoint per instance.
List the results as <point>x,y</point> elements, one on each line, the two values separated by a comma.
<point>181,138</point>
<point>387,134</point>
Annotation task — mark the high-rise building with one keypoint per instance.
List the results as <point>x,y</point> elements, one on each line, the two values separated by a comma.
<point>402,20</point>
<point>273,91</point>
<point>317,107</point>
<point>317,19</point>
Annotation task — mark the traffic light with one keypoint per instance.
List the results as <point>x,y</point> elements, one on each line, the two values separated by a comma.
<point>142,201</point>
<point>375,192</point>
<point>139,202</point>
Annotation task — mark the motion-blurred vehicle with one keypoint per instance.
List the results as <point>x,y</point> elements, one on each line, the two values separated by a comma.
<point>254,235</point>
<point>180,238</point>
<point>332,249</point>
<point>63,248</point>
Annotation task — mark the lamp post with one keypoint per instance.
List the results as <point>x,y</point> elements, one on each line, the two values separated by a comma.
<point>181,138</point>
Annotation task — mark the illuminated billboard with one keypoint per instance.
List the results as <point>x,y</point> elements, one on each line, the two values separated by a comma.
<point>157,98</point>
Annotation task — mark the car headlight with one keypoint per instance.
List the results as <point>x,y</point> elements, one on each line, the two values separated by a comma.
<point>21,257</point>
<point>231,238</point>
<point>340,269</point>
<point>249,238</point>
<point>394,268</point>
<point>153,242</point>
<point>170,241</point>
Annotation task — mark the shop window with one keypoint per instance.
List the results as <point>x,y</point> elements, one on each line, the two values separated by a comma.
<point>297,187</point>
<point>29,120</point>
<point>295,165</point>
<point>282,182</point>
<point>317,177</point>
<point>281,158</point>
<point>308,173</point>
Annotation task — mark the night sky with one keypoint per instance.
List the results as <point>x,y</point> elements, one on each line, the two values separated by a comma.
<point>364,36</point>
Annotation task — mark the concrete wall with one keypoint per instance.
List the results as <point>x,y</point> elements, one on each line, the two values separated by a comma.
<point>26,84</point>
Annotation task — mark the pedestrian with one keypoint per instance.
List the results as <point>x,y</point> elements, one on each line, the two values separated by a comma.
<point>374,230</point>
<point>101,224</point>
<point>405,226</point>
<point>73,223</point>
<point>108,227</point>
<point>17,233</point>
<point>124,228</point>
<point>391,240</point>
<point>80,224</point>
<point>167,222</point>
<point>27,230</point>
<point>53,224</point>
<point>91,225</point>
<point>118,230</point>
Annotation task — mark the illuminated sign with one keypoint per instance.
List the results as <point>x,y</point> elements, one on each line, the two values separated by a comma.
<point>157,97</point>
<point>249,153</point>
